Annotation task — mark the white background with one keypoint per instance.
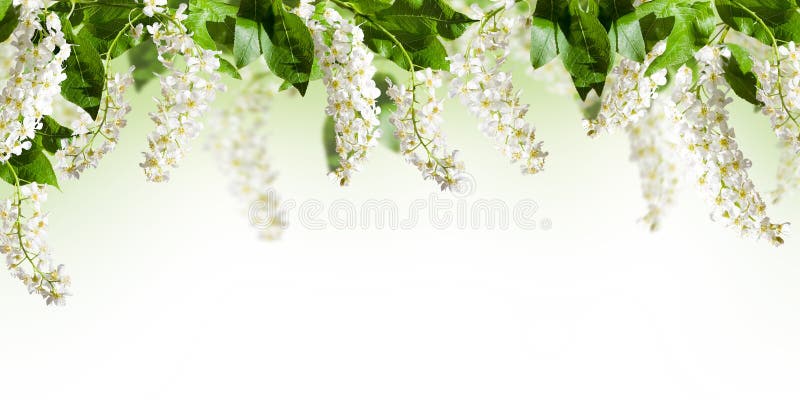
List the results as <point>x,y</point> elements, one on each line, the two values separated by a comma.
<point>176,298</point>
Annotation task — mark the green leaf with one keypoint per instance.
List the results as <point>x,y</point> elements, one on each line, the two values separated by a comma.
<point>250,41</point>
<point>51,134</point>
<point>145,58</point>
<point>85,73</point>
<point>655,29</point>
<point>214,10</point>
<point>291,55</point>
<point>547,36</point>
<point>250,36</point>
<point>694,22</point>
<point>739,74</point>
<point>368,7</point>
<point>101,25</point>
<point>424,51</point>
<point>611,10</point>
<point>225,67</point>
<point>196,24</point>
<point>201,12</point>
<point>762,19</point>
<point>30,166</point>
<point>224,34</point>
<point>620,19</point>
<point>547,41</point>
<point>5,5</point>
<point>8,22</point>
<point>626,38</point>
<point>588,56</point>
<point>423,18</point>
<point>417,25</point>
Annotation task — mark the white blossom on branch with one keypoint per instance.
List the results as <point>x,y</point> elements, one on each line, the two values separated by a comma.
<point>708,145</point>
<point>187,89</point>
<point>486,88</point>
<point>24,244</point>
<point>240,146</point>
<point>34,77</point>
<point>93,139</point>
<point>347,72</point>
<point>417,121</point>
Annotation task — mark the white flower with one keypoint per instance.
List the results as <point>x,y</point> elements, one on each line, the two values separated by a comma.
<point>418,129</point>
<point>186,92</point>
<point>629,94</point>
<point>23,243</point>
<point>34,77</point>
<point>152,7</point>
<point>708,144</point>
<point>93,139</point>
<point>489,94</point>
<point>347,73</point>
<point>507,4</point>
<point>136,31</point>
<point>241,150</point>
<point>654,149</point>
<point>305,9</point>
<point>779,90</point>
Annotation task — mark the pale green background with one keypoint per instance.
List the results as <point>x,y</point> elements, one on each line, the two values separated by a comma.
<point>176,298</point>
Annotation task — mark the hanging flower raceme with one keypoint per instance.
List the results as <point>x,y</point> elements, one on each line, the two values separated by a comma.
<point>92,139</point>
<point>630,94</point>
<point>23,242</point>
<point>422,142</point>
<point>34,77</point>
<point>243,156</point>
<point>186,91</point>
<point>707,143</point>
<point>779,90</point>
<point>347,72</point>
<point>488,91</point>
<point>654,150</point>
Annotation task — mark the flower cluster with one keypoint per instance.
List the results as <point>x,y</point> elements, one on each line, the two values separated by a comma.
<point>779,90</point>
<point>654,150</point>
<point>153,7</point>
<point>488,91</point>
<point>630,95</point>
<point>243,157</point>
<point>186,89</point>
<point>34,77</point>
<point>708,143</point>
<point>418,129</point>
<point>80,151</point>
<point>347,73</point>
<point>23,242</point>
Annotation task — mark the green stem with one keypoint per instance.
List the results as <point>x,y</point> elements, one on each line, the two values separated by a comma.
<point>109,56</point>
<point>18,228</point>
<point>411,69</point>
<point>777,61</point>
